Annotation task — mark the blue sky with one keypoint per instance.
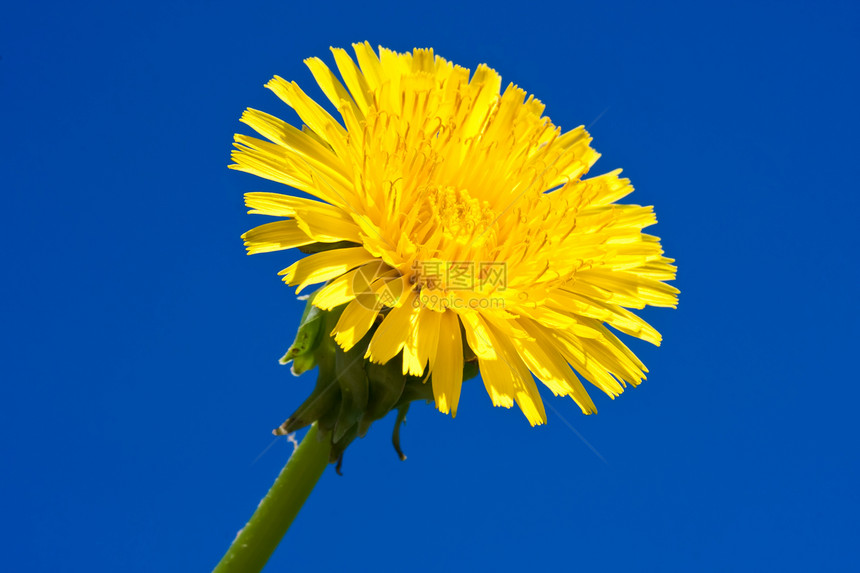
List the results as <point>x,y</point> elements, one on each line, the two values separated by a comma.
<point>140,344</point>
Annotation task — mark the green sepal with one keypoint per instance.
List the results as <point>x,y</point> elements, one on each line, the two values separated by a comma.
<point>416,389</point>
<point>386,387</point>
<point>308,336</point>
<point>354,391</point>
<point>395,436</point>
<point>351,392</point>
<point>326,393</point>
<point>339,447</point>
<point>470,369</point>
<point>323,399</point>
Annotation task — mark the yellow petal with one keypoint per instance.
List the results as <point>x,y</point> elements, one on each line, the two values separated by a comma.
<point>497,375</point>
<point>524,388</point>
<point>324,266</point>
<point>354,322</point>
<point>369,63</point>
<point>626,288</point>
<point>477,336</point>
<point>353,78</point>
<point>279,205</point>
<point>550,367</point>
<point>313,114</point>
<point>275,236</point>
<point>276,163</point>
<point>447,368</point>
<point>331,87</point>
<point>391,334</point>
<point>316,156</point>
<point>344,288</point>
<point>581,356</point>
<point>422,342</point>
<point>328,225</point>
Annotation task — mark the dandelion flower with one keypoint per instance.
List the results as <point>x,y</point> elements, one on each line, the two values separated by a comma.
<point>453,222</point>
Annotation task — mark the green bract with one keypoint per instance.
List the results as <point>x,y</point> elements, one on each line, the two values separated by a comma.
<point>351,392</point>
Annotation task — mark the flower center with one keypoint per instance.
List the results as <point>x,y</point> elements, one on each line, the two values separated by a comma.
<point>458,215</point>
<point>449,234</point>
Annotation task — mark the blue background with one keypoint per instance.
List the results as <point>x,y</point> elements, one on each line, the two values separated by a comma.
<point>140,345</point>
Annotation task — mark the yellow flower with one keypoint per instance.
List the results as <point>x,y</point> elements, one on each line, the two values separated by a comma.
<point>444,208</point>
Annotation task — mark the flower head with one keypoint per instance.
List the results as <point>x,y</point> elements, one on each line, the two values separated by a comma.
<point>452,222</point>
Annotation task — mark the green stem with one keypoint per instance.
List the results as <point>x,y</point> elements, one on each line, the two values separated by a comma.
<point>256,542</point>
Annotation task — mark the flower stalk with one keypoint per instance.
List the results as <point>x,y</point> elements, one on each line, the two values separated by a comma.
<point>256,542</point>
